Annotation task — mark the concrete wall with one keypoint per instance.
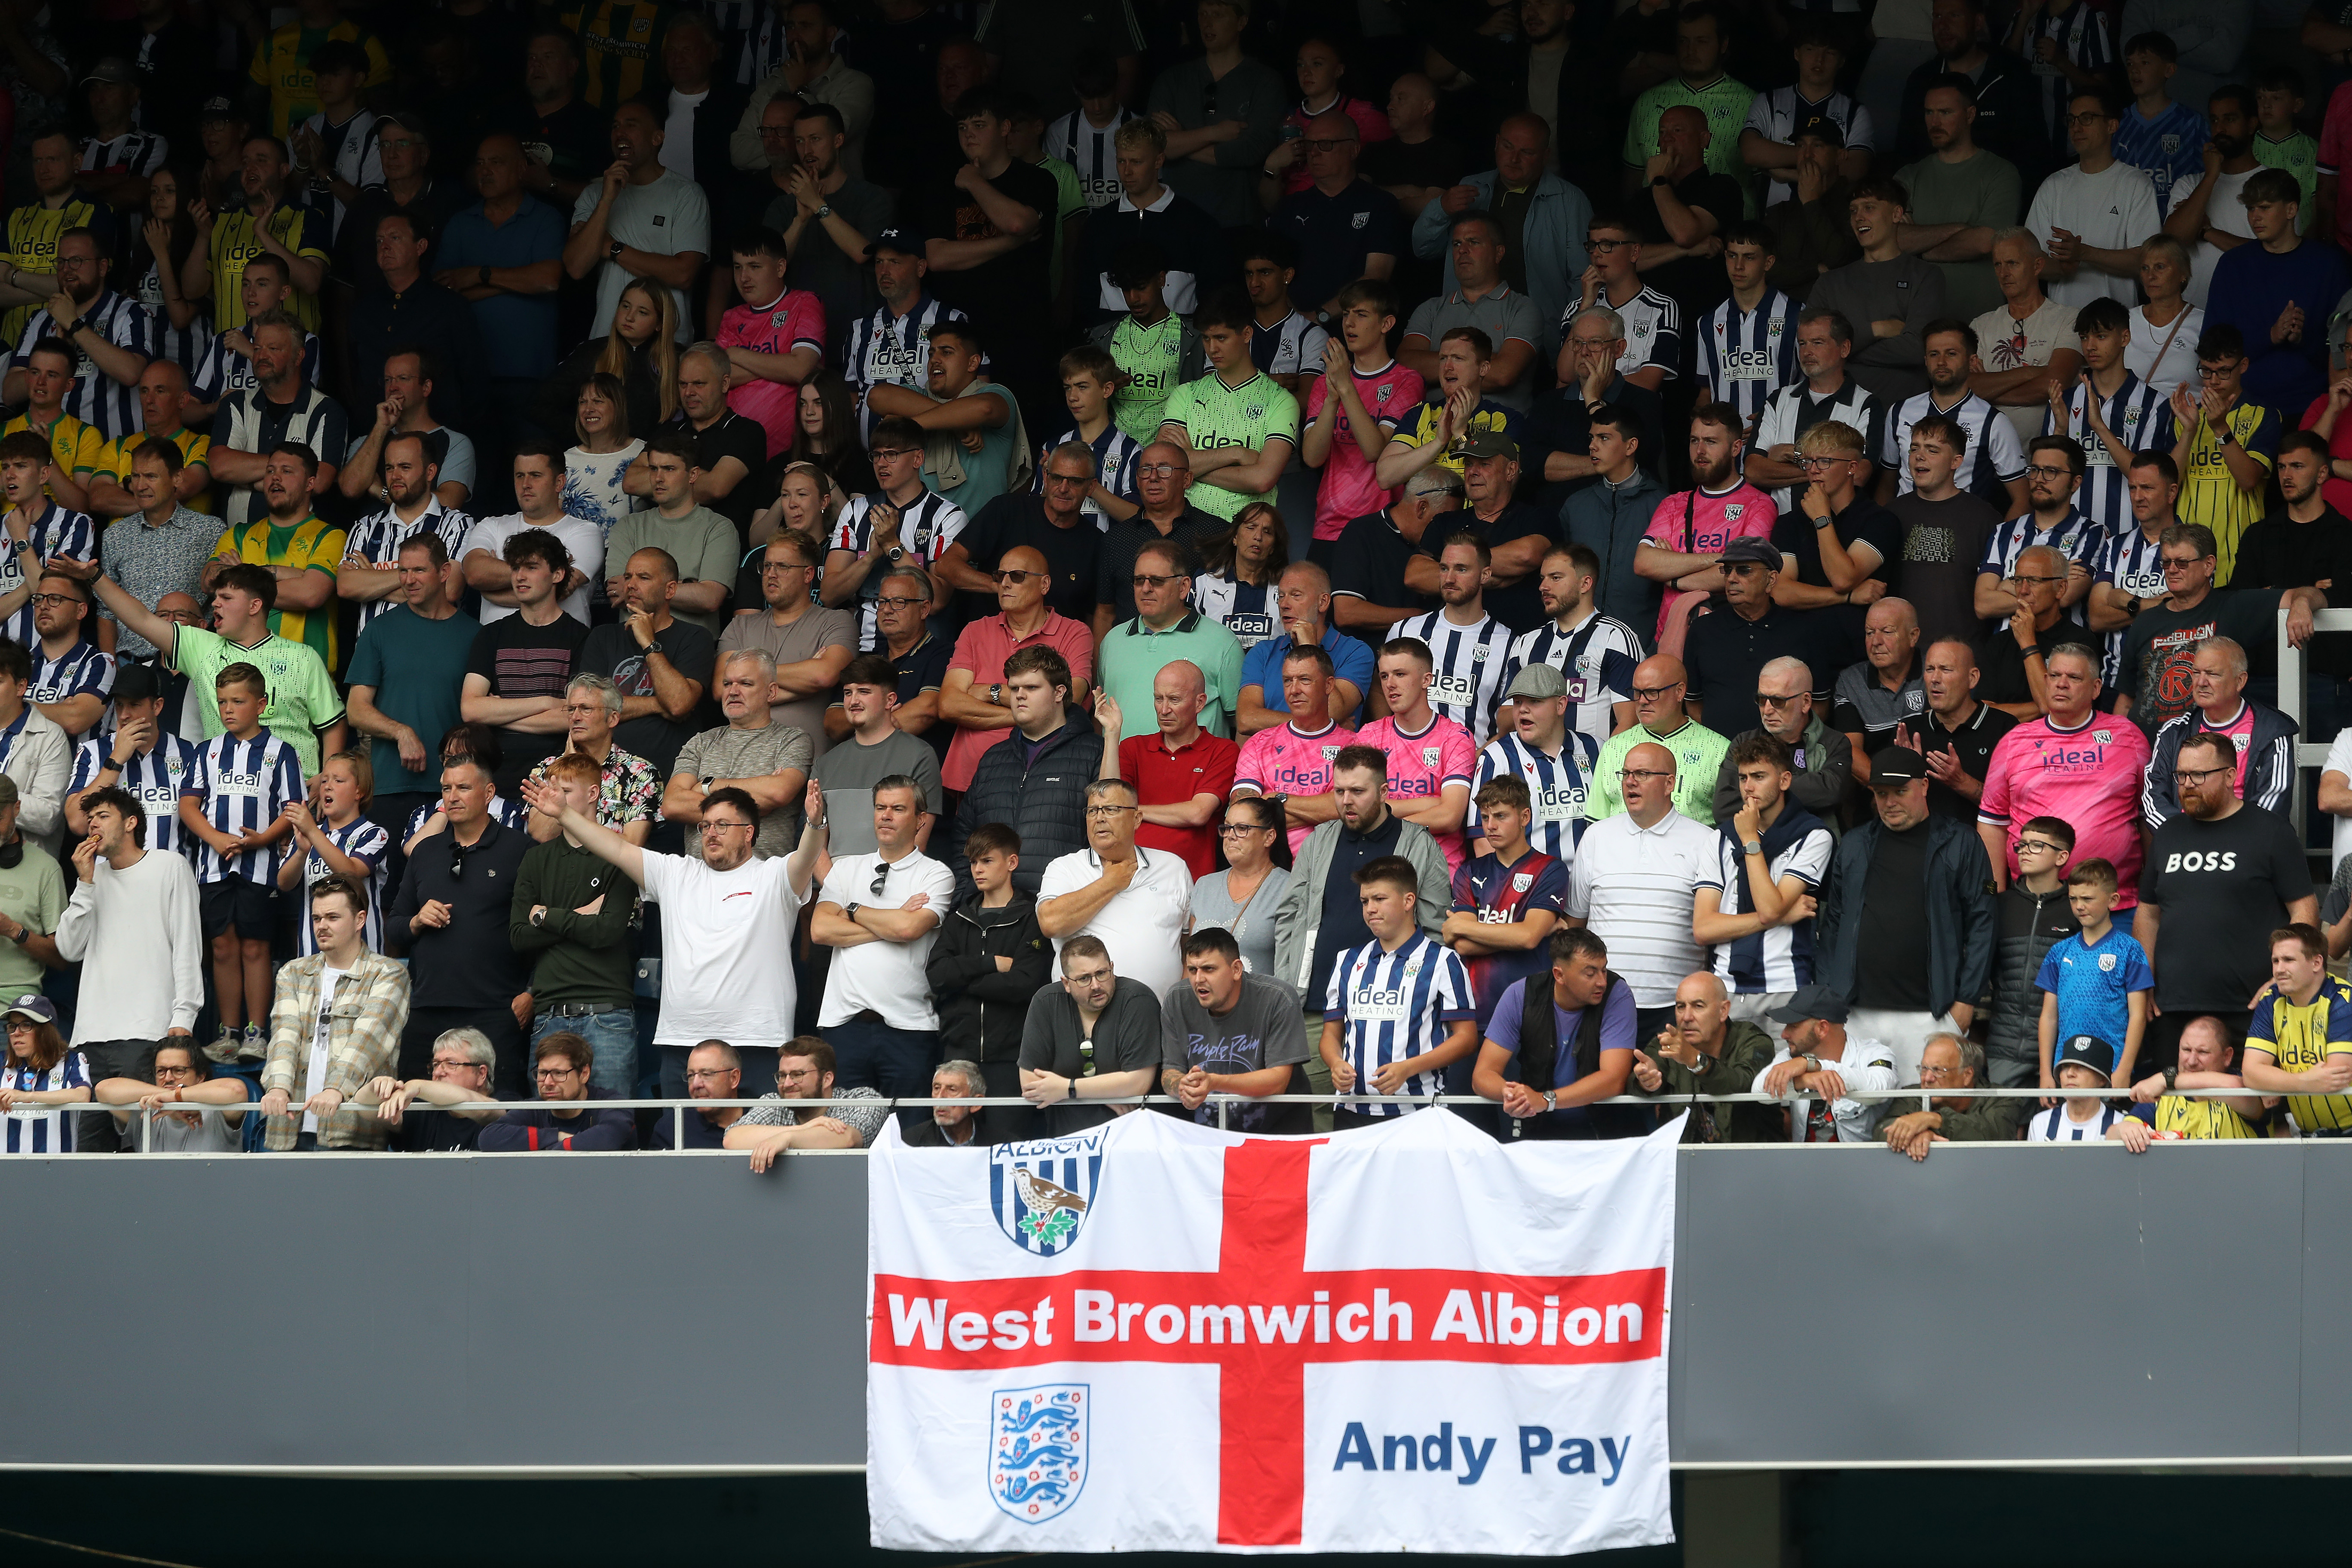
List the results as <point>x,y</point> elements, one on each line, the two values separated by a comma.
<point>641,1313</point>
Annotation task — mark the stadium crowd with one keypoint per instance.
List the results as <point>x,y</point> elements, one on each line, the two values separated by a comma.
<point>772,550</point>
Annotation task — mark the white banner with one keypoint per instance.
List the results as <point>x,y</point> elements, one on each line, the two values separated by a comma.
<point>1155,1336</point>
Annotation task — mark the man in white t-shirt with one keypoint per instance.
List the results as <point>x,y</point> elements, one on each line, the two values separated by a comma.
<point>2027,340</point>
<point>1134,898</point>
<point>2093,217</point>
<point>539,491</point>
<point>727,924</point>
<point>880,913</point>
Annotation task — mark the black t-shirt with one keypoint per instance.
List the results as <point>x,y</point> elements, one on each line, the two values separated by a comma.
<point>1724,654</point>
<point>732,435</point>
<point>434,1129</point>
<point>1334,234</point>
<point>1520,606</point>
<point>1892,960</point>
<point>2276,551</point>
<point>1074,554</point>
<point>1001,295</point>
<point>519,659</point>
<point>1697,283</point>
<point>1942,543</point>
<point>1439,161</point>
<point>1973,743</point>
<point>2224,887</point>
<point>2000,663</point>
<point>612,651</point>
<point>575,143</point>
<point>1115,562</point>
<point>1369,561</point>
<point>2160,648</point>
<point>1864,521</point>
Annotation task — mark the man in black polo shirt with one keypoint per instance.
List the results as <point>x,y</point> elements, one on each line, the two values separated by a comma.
<point>1163,472</point>
<point>1376,553</point>
<point>420,1107</point>
<point>1517,532</point>
<point>729,447</point>
<point>1883,690</point>
<point>1957,735</point>
<point>1342,221</point>
<point>1839,547</point>
<point>1727,648</point>
<point>1053,523</point>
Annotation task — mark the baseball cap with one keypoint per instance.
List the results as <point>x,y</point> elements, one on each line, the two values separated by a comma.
<point>1489,442</point>
<point>1814,1000</point>
<point>1540,681</point>
<point>2088,1051</point>
<point>903,237</point>
<point>219,108</point>
<point>405,120</point>
<point>132,683</point>
<point>112,68</point>
<point>34,1005</point>
<point>1820,127</point>
<point>1896,767</point>
<point>1760,550</point>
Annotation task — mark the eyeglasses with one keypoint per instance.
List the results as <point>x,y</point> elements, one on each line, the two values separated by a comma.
<point>1236,829</point>
<point>1315,144</point>
<point>1020,577</point>
<point>1926,1071</point>
<point>451,1062</point>
<point>723,827</point>
<point>2037,847</point>
<point>2045,471</point>
<point>1143,580</point>
<point>1603,247</point>
<point>1766,699</point>
<point>892,454</point>
<point>1655,691</point>
<point>1156,471</point>
<point>797,1075</point>
<point>702,1075</point>
<point>2198,775</point>
<point>55,599</point>
<point>2022,578</point>
<point>1644,774</point>
<point>555,1073</point>
<point>2215,371</point>
<point>784,566</point>
<point>1100,813</point>
<point>1814,465</point>
<point>2181,564</point>
<point>894,602</point>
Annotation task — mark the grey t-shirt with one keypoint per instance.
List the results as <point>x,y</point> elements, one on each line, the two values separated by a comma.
<point>1252,923</point>
<point>804,638</point>
<point>731,754</point>
<point>848,772</point>
<point>1126,1037</point>
<point>1264,1029</point>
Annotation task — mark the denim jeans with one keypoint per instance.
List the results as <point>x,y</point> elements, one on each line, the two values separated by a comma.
<point>612,1034</point>
<point>870,1054</point>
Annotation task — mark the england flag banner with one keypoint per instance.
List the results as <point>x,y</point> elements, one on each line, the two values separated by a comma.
<point>1157,1336</point>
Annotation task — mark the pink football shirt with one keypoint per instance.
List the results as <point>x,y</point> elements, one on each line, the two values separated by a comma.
<point>1743,512</point>
<point>1281,761</point>
<point>793,320</point>
<point>1422,764</point>
<point>2089,776</point>
<point>1348,490</point>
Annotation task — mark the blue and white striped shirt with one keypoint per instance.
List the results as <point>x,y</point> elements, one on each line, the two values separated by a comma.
<point>1597,659</point>
<point>1116,455</point>
<point>153,777</point>
<point>1746,356</point>
<point>1470,663</point>
<point>376,540</point>
<point>1394,1005</point>
<point>896,351</point>
<point>2139,417</point>
<point>2083,39</point>
<point>1779,958</point>
<point>363,840</point>
<point>506,813</point>
<point>1091,148</point>
<point>222,372</point>
<point>81,670</point>
<point>1556,789</point>
<point>47,1129</point>
<point>2133,561</point>
<point>184,346</point>
<point>96,398</point>
<point>243,784</point>
<point>1995,455</point>
<point>55,532</point>
<point>2078,539</point>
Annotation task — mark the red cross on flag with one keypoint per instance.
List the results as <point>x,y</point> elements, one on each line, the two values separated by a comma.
<point>1155,1336</point>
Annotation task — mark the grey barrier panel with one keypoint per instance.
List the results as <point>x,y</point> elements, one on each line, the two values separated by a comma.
<point>652,1313</point>
<point>354,1312</point>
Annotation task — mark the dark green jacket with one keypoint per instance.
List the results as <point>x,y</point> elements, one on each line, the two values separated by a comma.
<point>1979,1121</point>
<point>575,958</point>
<point>1747,1051</point>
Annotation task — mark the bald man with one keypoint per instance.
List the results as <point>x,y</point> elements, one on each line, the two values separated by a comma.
<point>1704,1050</point>
<point>1688,213</point>
<point>1884,690</point>
<point>1633,879</point>
<point>1660,686</point>
<point>1181,774</point>
<point>972,696</point>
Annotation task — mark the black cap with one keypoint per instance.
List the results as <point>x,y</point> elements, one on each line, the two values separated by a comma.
<point>1820,127</point>
<point>137,682</point>
<point>905,238</point>
<point>1896,767</point>
<point>2088,1051</point>
<point>1814,1000</point>
<point>1748,548</point>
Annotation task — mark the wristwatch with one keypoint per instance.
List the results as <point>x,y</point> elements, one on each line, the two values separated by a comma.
<point>539,917</point>
<point>823,211</point>
<point>1813,1062</point>
<point>1657,179</point>
<point>1753,847</point>
<point>615,249</point>
<point>896,553</point>
<point>849,911</point>
<point>996,695</point>
<point>2172,1078</point>
<point>1551,1100</point>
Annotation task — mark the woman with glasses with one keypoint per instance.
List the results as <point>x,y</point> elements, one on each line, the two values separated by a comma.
<point>1239,567</point>
<point>42,1070</point>
<point>1244,896</point>
<point>594,470</point>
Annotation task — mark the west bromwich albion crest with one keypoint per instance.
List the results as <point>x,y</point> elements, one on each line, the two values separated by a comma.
<point>1037,1458</point>
<point>1040,1191</point>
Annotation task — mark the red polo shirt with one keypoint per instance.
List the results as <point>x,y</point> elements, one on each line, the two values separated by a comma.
<point>983,648</point>
<point>1204,765</point>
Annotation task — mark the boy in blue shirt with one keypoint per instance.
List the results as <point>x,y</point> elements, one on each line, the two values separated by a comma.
<point>2096,981</point>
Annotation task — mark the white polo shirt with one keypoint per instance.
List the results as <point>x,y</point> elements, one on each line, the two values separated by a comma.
<point>1633,886</point>
<point>886,977</point>
<point>1143,925</point>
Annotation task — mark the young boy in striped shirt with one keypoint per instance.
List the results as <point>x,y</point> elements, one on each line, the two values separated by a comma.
<point>334,838</point>
<point>1399,1010</point>
<point>234,803</point>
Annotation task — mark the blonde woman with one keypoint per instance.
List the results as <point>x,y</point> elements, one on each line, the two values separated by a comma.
<point>806,502</point>
<point>639,348</point>
<point>594,468</point>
